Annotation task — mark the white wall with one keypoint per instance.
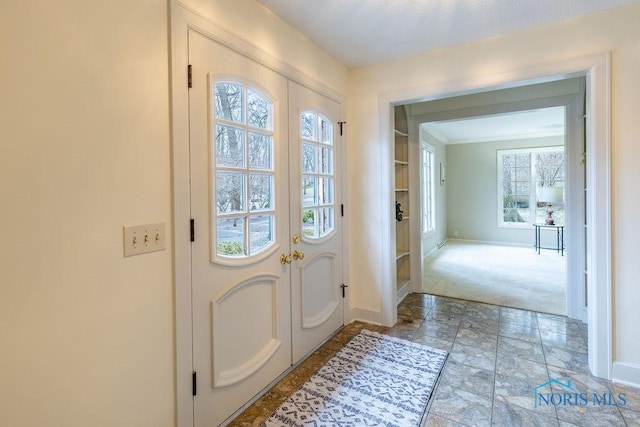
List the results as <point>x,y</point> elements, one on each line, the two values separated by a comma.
<point>472,202</point>
<point>614,30</point>
<point>86,336</point>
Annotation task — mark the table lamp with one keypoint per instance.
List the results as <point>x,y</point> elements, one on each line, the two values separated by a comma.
<point>550,196</point>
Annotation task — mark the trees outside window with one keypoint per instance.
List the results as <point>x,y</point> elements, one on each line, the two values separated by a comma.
<point>522,174</point>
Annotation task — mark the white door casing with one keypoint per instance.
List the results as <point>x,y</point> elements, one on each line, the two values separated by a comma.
<point>240,204</point>
<point>316,221</point>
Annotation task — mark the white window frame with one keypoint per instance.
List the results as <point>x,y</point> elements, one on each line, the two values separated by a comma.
<point>532,182</point>
<point>427,196</point>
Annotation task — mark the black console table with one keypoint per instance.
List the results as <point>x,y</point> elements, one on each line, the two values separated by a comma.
<point>559,238</point>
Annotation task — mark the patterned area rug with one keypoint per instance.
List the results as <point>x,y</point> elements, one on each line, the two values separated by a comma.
<point>375,380</point>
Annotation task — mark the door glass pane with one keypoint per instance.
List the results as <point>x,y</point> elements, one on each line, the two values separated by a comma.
<point>326,131</point>
<point>260,148</point>
<point>228,100</point>
<point>316,139</point>
<point>260,232</point>
<point>259,109</point>
<point>308,125</point>
<point>243,168</point>
<point>230,236</point>
<point>309,191</point>
<point>229,146</point>
<point>308,223</point>
<point>308,158</point>
<point>326,160</point>
<point>326,220</point>
<point>260,192</point>
<point>230,192</point>
<point>326,191</point>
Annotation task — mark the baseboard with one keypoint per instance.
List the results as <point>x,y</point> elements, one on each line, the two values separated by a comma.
<point>367,316</point>
<point>489,242</point>
<point>626,373</point>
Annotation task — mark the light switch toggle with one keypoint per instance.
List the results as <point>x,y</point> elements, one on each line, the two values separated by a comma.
<point>141,239</point>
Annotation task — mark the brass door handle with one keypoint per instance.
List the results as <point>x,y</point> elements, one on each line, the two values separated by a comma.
<point>298,255</point>
<point>285,259</point>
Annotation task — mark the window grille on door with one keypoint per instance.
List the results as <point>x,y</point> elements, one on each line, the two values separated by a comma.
<point>243,172</point>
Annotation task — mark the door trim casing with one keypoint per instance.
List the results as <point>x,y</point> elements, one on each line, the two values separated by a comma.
<point>182,19</point>
<point>597,70</point>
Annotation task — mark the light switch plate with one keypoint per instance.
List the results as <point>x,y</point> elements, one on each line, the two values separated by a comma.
<point>141,239</point>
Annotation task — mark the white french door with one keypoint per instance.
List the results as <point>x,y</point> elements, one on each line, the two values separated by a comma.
<point>240,204</point>
<point>266,258</point>
<point>316,224</point>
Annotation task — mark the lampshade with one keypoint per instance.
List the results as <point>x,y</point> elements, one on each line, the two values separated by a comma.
<point>551,195</point>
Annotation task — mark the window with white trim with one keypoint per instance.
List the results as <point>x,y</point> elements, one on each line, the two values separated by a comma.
<point>318,202</point>
<point>528,180</point>
<point>427,155</point>
<point>243,170</point>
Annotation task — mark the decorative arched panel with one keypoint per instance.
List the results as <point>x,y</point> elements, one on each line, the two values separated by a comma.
<point>320,296</point>
<point>245,329</point>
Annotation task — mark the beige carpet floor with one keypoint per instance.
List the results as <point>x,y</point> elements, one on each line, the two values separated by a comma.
<point>502,275</point>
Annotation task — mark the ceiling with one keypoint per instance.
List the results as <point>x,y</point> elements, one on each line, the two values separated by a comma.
<point>500,127</point>
<point>362,32</point>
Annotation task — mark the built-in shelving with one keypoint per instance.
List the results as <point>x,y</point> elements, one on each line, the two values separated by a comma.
<point>401,165</point>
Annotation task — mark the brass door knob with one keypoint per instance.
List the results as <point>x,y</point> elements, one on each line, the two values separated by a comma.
<point>285,259</point>
<point>295,239</point>
<point>298,255</point>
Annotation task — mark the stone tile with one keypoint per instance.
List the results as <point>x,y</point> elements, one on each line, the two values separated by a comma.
<point>260,410</point>
<point>566,342</point>
<point>520,392</point>
<point>443,315</point>
<point>438,421</point>
<point>473,356</point>
<point>420,300</point>
<point>477,339</point>
<point>631,395</point>
<point>518,317</point>
<point>474,380</point>
<point>592,416</point>
<point>483,311</point>
<point>519,348</point>
<point>519,332</point>
<point>433,342</point>
<point>411,312</point>
<point>507,415</point>
<point>580,381</point>
<point>479,324</point>
<point>524,369</point>
<point>565,326</point>
<point>570,360</point>
<point>449,307</point>
<point>441,330</point>
<point>462,406</point>
<point>632,418</point>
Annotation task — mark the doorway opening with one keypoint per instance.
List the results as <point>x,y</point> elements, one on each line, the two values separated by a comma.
<point>596,229</point>
<point>501,168</point>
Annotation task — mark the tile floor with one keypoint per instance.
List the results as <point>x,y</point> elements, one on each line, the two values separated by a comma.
<point>497,357</point>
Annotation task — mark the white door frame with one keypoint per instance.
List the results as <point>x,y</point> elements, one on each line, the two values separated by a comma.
<point>597,69</point>
<point>183,19</point>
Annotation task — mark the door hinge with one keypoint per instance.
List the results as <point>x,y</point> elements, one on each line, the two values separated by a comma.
<point>343,286</point>
<point>341,123</point>
<point>189,80</point>
<point>193,230</point>
<point>341,210</point>
<point>194,387</point>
